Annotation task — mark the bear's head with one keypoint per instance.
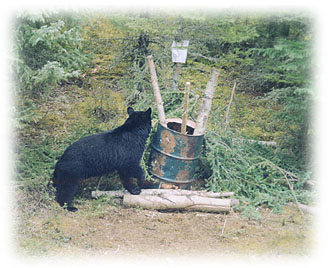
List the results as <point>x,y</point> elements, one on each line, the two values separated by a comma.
<point>138,119</point>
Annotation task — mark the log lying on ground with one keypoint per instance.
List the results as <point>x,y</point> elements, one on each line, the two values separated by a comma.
<point>179,202</point>
<point>266,143</point>
<point>304,208</point>
<point>120,193</point>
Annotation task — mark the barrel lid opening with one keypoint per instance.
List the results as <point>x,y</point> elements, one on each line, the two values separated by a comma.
<point>175,125</point>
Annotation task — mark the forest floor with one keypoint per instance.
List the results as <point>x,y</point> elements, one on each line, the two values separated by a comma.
<point>104,227</point>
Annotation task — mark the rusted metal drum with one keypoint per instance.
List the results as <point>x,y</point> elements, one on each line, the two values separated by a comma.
<point>174,156</point>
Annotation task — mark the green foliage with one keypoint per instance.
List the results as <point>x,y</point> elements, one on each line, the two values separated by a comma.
<point>250,213</point>
<point>47,52</point>
<point>290,76</point>
<point>34,167</point>
<point>256,173</point>
<point>291,60</point>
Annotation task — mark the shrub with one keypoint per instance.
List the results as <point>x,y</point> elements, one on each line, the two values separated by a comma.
<point>256,173</point>
<point>47,52</point>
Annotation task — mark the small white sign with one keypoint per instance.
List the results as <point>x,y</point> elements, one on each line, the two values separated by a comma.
<point>179,51</point>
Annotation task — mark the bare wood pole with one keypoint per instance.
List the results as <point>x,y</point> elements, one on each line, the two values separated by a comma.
<point>225,221</point>
<point>185,109</point>
<point>157,93</point>
<point>205,107</point>
<point>176,73</point>
<point>120,193</point>
<point>229,105</point>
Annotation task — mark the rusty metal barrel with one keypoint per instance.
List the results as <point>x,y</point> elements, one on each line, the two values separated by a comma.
<point>174,156</point>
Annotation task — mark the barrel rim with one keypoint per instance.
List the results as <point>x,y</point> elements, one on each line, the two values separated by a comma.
<point>190,123</point>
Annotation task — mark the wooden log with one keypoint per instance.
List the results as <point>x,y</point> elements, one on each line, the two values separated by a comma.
<point>304,208</point>
<point>157,93</point>
<point>265,143</point>
<point>310,184</point>
<point>120,193</point>
<point>179,202</point>
<point>185,109</point>
<point>205,107</point>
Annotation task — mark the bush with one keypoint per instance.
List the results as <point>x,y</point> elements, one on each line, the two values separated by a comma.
<point>47,52</point>
<point>256,173</point>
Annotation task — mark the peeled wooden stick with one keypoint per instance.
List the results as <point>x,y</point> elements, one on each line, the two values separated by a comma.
<point>157,93</point>
<point>205,107</point>
<point>185,109</point>
<point>172,202</point>
<point>120,193</point>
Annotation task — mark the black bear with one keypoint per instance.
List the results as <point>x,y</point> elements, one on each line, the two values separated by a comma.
<point>120,149</point>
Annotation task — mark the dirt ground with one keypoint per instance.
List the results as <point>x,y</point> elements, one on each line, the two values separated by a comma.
<point>106,228</point>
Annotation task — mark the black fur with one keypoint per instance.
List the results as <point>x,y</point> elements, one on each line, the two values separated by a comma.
<point>120,149</point>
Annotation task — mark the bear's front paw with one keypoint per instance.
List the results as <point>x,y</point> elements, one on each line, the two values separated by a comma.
<point>134,190</point>
<point>72,209</point>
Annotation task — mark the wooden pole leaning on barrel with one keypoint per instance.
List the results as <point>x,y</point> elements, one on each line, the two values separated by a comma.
<point>157,93</point>
<point>185,109</point>
<point>205,107</point>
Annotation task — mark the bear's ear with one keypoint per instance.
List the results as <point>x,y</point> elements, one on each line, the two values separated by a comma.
<point>148,112</point>
<point>130,111</point>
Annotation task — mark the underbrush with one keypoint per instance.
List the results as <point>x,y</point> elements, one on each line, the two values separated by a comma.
<point>258,174</point>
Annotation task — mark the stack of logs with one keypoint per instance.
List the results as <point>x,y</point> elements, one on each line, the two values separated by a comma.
<point>169,199</point>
